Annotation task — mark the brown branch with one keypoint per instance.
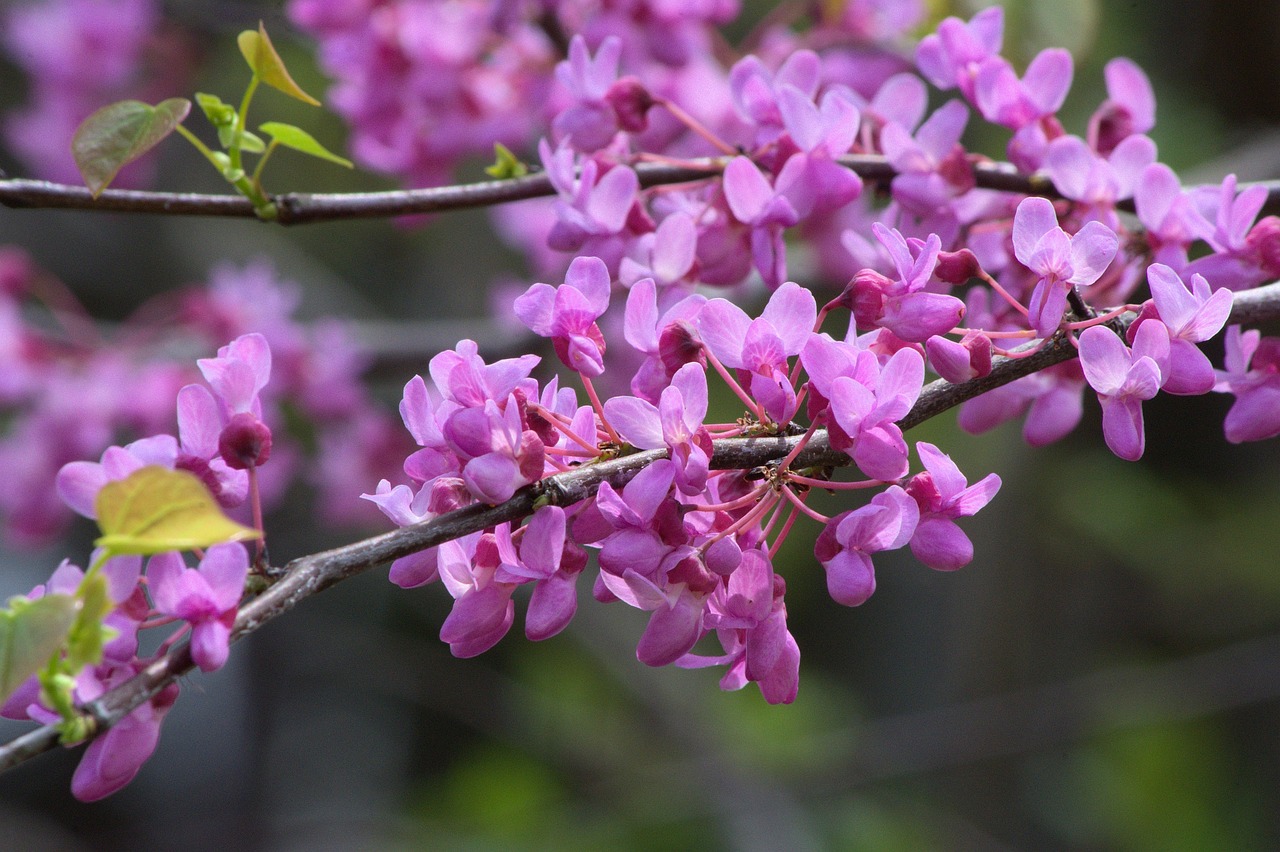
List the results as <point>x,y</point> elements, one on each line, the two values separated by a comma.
<point>297,208</point>
<point>308,575</point>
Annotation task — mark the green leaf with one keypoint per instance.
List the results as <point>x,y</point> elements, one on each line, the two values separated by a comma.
<point>251,143</point>
<point>120,133</point>
<point>219,113</point>
<point>154,510</point>
<point>267,64</point>
<point>506,164</point>
<point>31,632</point>
<point>88,634</point>
<point>300,140</point>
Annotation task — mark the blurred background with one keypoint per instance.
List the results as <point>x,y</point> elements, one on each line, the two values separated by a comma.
<point>1105,675</point>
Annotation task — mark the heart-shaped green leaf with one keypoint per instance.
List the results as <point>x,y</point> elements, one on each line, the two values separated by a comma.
<point>267,64</point>
<point>120,133</point>
<point>155,509</point>
<point>87,634</point>
<point>300,140</point>
<point>31,632</point>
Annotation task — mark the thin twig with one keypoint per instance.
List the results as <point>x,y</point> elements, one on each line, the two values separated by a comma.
<point>297,208</point>
<point>308,575</point>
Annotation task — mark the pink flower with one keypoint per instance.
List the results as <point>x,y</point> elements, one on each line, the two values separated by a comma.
<point>846,543</point>
<point>205,597</point>
<point>1123,379</point>
<point>943,494</point>
<point>1058,260</point>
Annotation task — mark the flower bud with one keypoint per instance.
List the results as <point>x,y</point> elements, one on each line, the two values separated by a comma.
<point>957,267</point>
<point>245,442</point>
<point>630,101</point>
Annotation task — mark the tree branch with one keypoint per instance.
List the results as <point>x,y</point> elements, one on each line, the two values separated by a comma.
<point>309,575</point>
<point>296,208</point>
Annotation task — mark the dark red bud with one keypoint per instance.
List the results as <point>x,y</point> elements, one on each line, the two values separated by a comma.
<point>678,344</point>
<point>630,101</point>
<point>957,267</point>
<point>1264,238</point>
<point>245,442</point>
<point>956,170</point>
<point>866,298</point>
<point>1108,127</point>
<point>979,346</point>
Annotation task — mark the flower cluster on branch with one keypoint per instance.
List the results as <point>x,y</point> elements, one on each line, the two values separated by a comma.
<point>990,277</point>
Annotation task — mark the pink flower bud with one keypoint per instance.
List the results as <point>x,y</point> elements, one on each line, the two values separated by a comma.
<point>245,442</point>
<point>630,101</point>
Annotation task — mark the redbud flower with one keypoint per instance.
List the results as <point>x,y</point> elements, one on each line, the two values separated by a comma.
<point>589,123</point>
<point>754,202</point>
<point>1252,374</point>
<point>568,314</point>
<point>943,494</point>
<point>1060,261</point>
<point>1130,106</point>
<point>205,597</point>
<point>762,346</point>
<point>846,543</point>
<point>1191,315</point>
<point>1123,379</point>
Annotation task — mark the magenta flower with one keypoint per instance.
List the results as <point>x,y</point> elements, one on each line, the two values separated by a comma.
<point>863,421</point>
<point>903,305</point>
<point>755,90</point>
<point>568,314</point>
<point>589,123</point>
<point>482,610</point>
<point>1123,379</point>
<point>1236,262</point>
<point>754,202</point>
<point>78,482</point>
<point>667,255</point>
<point>811,179</point>
<point>951,57</point>
<point>667,343</point>
<point>762,346</point>
<point>592,210</point>
<point>931,166</point>
<point>1098,182</point>
<point>113,759</point>
<point>1252,374</point>
<point>943,494</point>
<point>750,620</point>
<point>1130,106</point>
<point>1191,316</point>
<point>1060,261</point>
<point>236,377</point>
<point>845,545</point>
<point>552,563</point>
<point>1004,99</point>
<point>1169,214</point>
<point>676,423</point>
<point>205,597</point>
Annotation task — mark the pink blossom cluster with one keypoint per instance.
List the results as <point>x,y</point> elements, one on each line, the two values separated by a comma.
<point>689,544</point>
<point>949,276</point>
<point>80,55</point>
<point>69,390</point>
<point>224,442</point>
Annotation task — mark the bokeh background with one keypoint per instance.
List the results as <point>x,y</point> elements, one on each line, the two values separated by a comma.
<point>1105,675</point>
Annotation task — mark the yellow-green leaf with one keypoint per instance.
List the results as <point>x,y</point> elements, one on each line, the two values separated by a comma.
<point>120,133</point>
<point>155,509</point>
<point>505,164</point>
<point>31,632</point>
<point>300,140</point>
<point>267,64</point>
<point>88,634</point>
